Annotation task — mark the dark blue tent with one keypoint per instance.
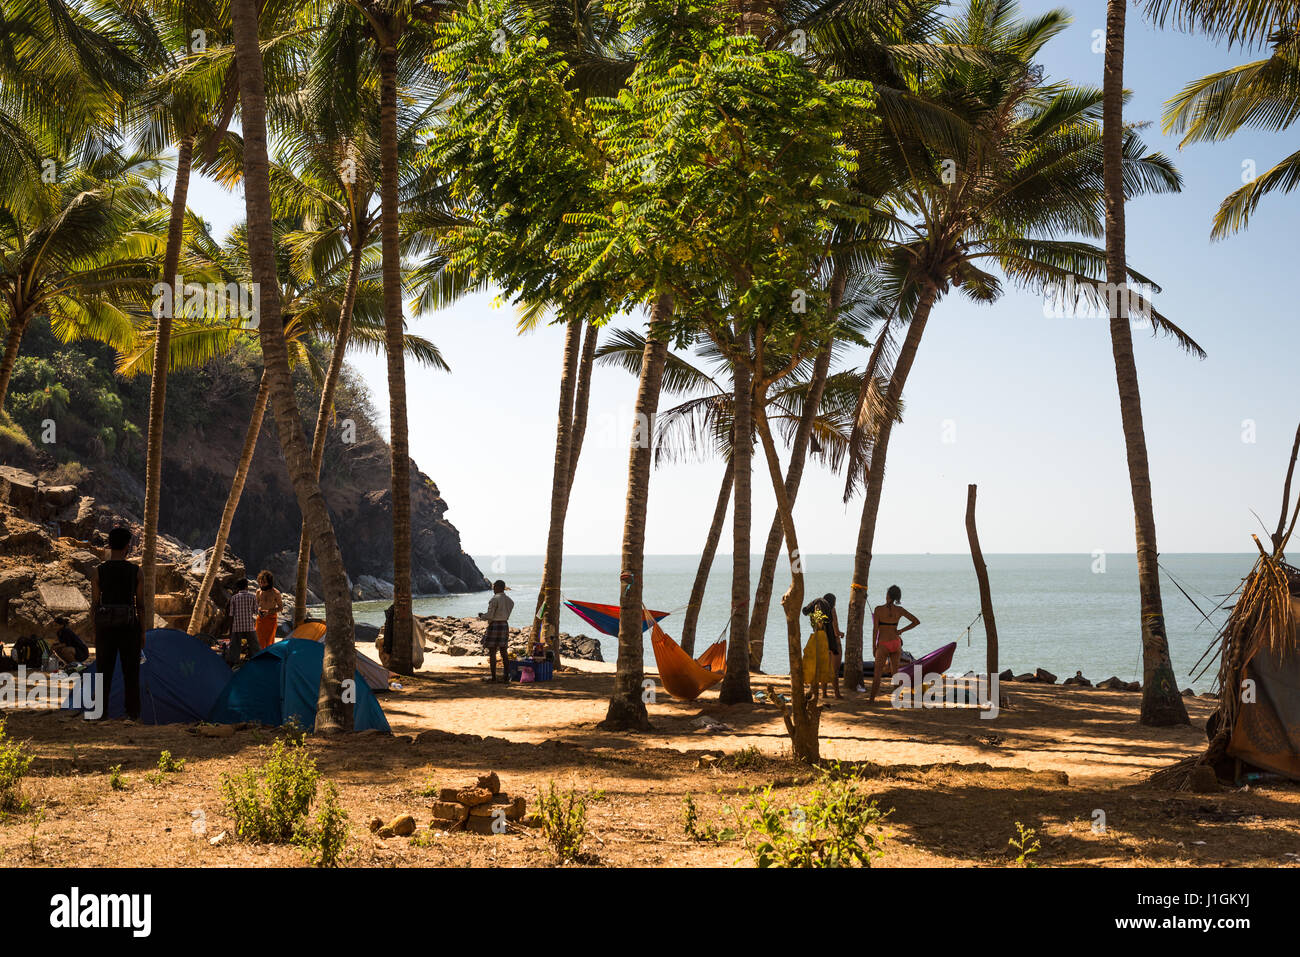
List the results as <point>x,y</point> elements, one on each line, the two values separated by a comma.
<point>180,680</point>
<point>282,682</point>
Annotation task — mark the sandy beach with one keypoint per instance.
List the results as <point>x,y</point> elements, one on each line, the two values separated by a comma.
<point>957,785</point>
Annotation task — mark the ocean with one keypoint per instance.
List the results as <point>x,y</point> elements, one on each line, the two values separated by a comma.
<point>1065,613</point>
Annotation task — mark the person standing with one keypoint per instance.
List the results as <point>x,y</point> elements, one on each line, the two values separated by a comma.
<point>887,638</point>
<point>821,612</point>
<point>497,635</point>
<point>270,602</point>
<point>117,597</point>
<point>242,613</point>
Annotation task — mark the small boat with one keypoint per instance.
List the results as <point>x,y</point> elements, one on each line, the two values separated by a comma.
<point>936,662</point>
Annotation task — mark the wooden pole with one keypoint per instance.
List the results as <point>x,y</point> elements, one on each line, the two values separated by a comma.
<point>982,574</point>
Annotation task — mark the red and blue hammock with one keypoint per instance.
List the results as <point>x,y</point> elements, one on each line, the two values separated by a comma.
<point>604,618</point>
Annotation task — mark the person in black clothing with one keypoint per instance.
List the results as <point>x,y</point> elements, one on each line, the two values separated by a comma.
<point>117,597</point>
<point>68,644</point>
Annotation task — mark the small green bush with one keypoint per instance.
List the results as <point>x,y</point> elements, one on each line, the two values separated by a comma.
<point>169,765</point>
<point>835,827</point>
<point>564,822</point>
<point>696,830</point>
<point>1026,844</point>
<point>116,779</point>
<point>323,840</point>
<point>268,804</point>
<point>15,761</point>
<point>746,759</point>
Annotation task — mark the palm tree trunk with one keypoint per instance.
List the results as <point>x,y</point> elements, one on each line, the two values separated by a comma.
<point>399,643</point>
<point>1161,702</point>
<point>802,717</point>
<point>793,477</point>
<point>14,338</point>
<point>706,562</point>
<point>875,484</point>
<point>158,383</point>
<point>577,431</point>
<point>232,502</point>
<point>333,707</point>
<point>322,423</point>
<point>735,687</point>
<point>626,707</point>
<point>548,599</point>
<point>581,402</point>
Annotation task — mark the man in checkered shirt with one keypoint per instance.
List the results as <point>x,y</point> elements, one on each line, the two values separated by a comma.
<point>242,610</point>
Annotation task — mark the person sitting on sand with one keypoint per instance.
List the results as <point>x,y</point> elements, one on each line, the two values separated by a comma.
<point>269,605</point>
<point>497,635</point>
<point>241,612</point>
<point>824,641</point>
<point>68,644</point>
<point>887,637</point>
<point>117,597</point>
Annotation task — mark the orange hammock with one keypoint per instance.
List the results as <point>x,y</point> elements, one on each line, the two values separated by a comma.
<point>683,676</point>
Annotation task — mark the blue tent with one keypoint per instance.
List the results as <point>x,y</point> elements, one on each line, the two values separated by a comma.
<point>180,679</point>
<point>282,682</point>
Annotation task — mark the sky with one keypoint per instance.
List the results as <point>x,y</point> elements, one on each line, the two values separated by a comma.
<point>1000,395</point>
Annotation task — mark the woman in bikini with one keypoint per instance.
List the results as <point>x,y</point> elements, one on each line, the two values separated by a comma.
<point>887,639</point>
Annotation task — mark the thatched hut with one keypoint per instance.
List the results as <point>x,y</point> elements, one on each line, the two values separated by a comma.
<point>1257,724</point>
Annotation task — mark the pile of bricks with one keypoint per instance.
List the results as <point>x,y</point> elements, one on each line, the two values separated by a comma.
<point>480,808</point>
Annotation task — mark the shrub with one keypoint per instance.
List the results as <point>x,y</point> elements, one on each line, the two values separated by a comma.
<point>1026,843</point>
<point>698,831</point>
<point>746,759</point>
<point>323,840</point>
<point>268,804</point>
<point>834,828</point>
<point>116,779</point>
<point>564,822</point>
<point>169,765</point>
<point>15,761</point>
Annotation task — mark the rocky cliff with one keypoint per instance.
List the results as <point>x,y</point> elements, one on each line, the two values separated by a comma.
<point>97,446</point>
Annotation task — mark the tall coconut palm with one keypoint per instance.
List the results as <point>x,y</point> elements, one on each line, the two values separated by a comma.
<point>980,162</point>
<point>388,40</point>
<point>334,707</point>
<point>1162,703</point>
<point>1261,94</point>
<point>171,109</point>
<point>319,304</point>
<point>327,176</point>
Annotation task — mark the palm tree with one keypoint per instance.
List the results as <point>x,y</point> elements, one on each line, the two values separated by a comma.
<point>1262,94</point>
<point>626,707</point>
<point>318,306</point>
<point>326,177</point>
<point>982,161</point>
<point>388,37</point>
<point>81,250</point>
<point>334,708</point>
<point>1162,703</point>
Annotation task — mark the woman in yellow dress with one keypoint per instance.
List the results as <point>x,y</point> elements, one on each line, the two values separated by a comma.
<point>821,653</point>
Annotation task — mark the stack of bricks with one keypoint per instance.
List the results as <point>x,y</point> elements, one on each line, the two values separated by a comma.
<point>480,808</point>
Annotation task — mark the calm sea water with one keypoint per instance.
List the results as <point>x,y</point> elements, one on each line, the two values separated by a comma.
<point>1065,613</point>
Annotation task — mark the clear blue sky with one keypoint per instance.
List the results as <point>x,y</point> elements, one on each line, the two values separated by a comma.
<point>1030,401</point>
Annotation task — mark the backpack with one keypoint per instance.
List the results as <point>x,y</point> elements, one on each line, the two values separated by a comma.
<point>30,651</point>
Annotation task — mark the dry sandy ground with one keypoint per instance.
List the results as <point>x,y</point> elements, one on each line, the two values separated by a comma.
<point>957,785</point>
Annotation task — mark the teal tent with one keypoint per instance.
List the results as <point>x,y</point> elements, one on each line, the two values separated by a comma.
<point>282,682</point>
